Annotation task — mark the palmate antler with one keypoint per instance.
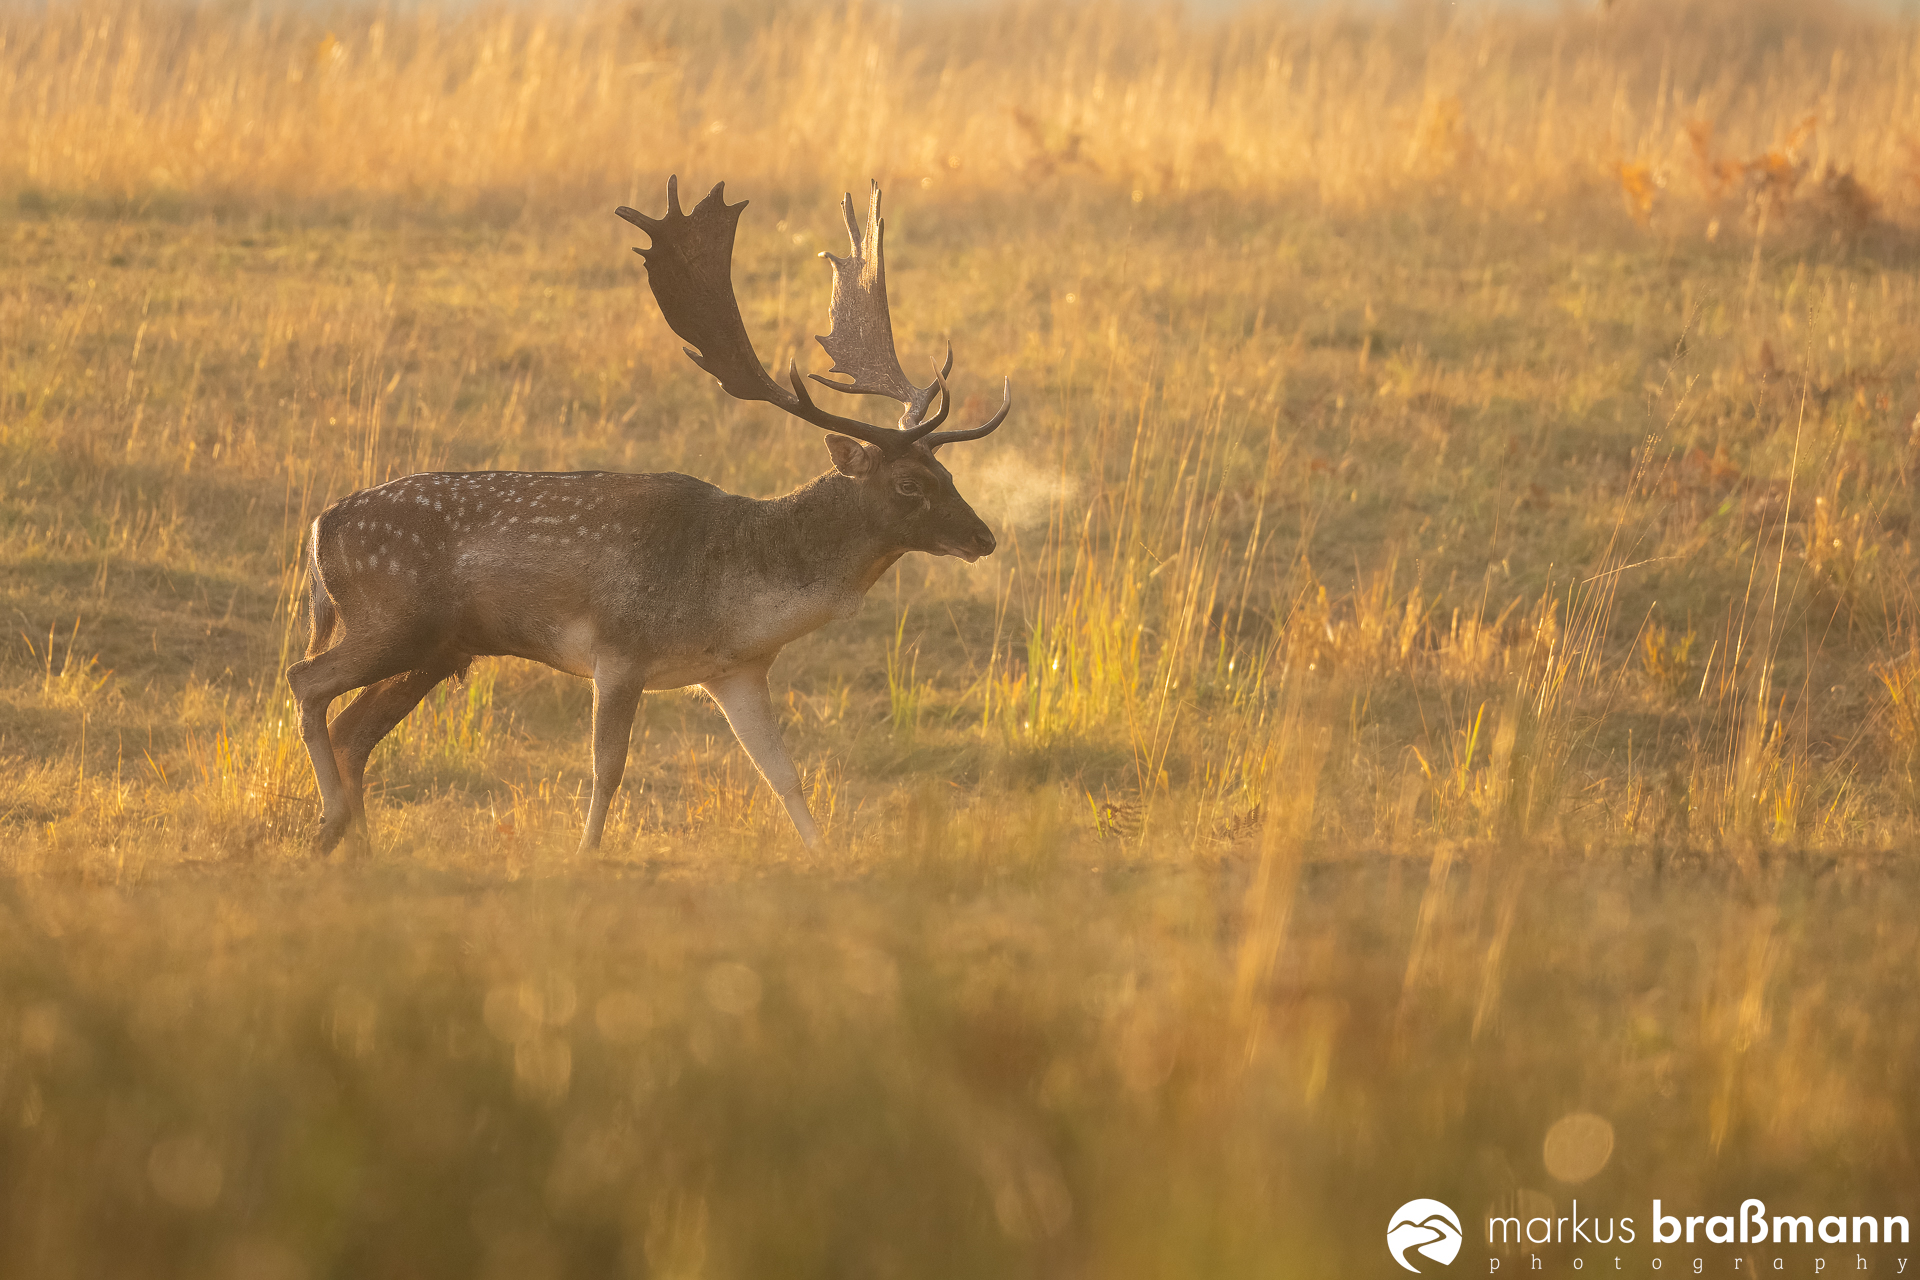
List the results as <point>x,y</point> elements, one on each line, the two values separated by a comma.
<point>861,343</point>
<point>690,266</point>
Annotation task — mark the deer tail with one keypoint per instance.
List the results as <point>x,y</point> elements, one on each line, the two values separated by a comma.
<point>324,617</point>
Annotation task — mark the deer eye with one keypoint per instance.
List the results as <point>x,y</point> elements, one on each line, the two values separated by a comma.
<point>911,488</point>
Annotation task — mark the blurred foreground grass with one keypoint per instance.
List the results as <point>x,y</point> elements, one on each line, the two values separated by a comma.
<point>1451,663</point>
<point>921,1070</point>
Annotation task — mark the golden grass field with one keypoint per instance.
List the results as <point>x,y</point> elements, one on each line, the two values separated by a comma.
<point>1451,663</point>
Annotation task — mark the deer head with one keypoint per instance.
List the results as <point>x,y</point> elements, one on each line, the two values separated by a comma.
<point>901,483</point>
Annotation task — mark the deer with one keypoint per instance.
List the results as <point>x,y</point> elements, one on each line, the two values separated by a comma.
<point>637,582</point>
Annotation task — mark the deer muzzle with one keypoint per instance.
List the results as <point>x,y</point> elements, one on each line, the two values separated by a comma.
<point>972,546</point>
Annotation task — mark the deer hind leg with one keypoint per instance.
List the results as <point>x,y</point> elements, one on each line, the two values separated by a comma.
<point>615,698</point>
<point>743,696</point>
<point>369,718</point>
<point>316,682</point>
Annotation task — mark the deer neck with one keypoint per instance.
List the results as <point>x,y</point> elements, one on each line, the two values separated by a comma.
<point>835,537</point>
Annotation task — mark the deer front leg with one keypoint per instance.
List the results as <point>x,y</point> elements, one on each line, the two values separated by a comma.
<point>616,696</point>
<point>742,694</point>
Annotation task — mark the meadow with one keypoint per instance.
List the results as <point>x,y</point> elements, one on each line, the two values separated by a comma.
<point>1443,718</point>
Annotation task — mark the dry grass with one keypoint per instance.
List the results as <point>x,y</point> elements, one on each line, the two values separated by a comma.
<point>140,103</point>
<point>1450,663</point>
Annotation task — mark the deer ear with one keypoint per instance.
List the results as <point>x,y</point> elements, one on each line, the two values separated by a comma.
<point>850,457</point>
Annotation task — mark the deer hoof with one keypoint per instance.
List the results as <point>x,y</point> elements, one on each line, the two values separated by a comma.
<point>330,834</point>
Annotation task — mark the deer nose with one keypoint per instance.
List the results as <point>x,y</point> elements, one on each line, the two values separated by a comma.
<point>983,542</point>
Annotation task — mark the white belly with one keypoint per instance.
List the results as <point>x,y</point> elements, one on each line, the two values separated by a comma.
<point>761,624</point>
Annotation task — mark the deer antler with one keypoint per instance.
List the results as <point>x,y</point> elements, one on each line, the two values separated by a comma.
<point>861,342</point>
<point>934,439</point>
<point>690,269</point>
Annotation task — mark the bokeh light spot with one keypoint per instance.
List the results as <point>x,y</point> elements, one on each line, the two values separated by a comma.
<point>1578,1146</point>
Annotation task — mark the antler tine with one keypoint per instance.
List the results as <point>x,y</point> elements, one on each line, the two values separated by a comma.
<point>912,429</point>
<point>853,224</point>
<point>938,438</point>
<point>946,402</point>
<point>885,437</point>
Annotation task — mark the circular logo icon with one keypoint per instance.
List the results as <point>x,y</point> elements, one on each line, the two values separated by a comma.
<point>1425,1228</point>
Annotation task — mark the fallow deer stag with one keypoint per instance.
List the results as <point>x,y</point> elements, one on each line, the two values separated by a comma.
<point>636,581</point>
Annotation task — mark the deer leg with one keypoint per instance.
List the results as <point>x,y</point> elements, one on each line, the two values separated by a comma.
<point>743,696</point>
<point>615,699</point>
<point>370,717</point>
<point>316,682</point>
